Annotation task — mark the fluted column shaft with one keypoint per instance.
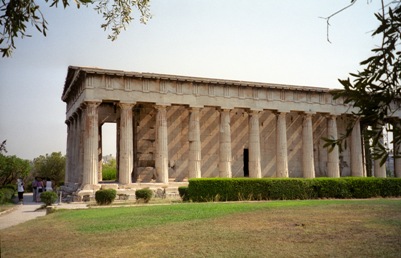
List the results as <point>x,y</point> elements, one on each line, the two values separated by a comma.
<point>356,150</point>
<point>225,144</point>
<point>74,163</point>
<point>90,165</point>
<point>68,151</point>
<point>194,164</point>
<point>379,171</point>
<point>307,147</point>
<point>333,163</point>
<point>126,154</point>
<point>255,170</point>
<point>161,158</point>
<point>281,146</point>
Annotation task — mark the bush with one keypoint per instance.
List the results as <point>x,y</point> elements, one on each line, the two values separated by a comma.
<point>7,194</point>
<point>2,197</point>
<point>144,194</point>
<point>239,189</point>
<point>11,186</point>
<point>105,196</point>
<point>48,198</point>
<point>183,191</point>
<point>109,173</point>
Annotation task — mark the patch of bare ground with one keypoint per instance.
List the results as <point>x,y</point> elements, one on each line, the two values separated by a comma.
<point>329,230</point>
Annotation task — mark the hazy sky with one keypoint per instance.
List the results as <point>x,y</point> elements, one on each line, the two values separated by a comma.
<point>261,40</point>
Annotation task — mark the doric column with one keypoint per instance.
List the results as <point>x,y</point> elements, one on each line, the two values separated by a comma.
<point>90,140</point>
<point>281,146</point>
<point>194,164</point>
<point>76,162</point>
<point>81,121</point>
<point>333,162</point>
<point>161,158</point>
<point>255,170</point>
<point>225,144</point>
<point>397,148</point>
<point>126,144</point>
<point>356,150</point>
<point>68,151</point>
<point>379,171</point>
<point>307,147</point>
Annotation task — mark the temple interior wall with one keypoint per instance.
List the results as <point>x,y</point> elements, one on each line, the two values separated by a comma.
<point>178,145</point>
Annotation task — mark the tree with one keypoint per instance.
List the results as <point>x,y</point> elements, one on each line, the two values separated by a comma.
<point>11,168</point>
<point>50,166</point>
<point>16,15</point>
<point>375,91</point>
<point>109,169</point>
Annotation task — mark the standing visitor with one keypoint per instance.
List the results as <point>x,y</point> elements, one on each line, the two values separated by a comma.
<point>20,188</point>
<point>39,188</point>
<point>34,189</point>
<point>49,185</point>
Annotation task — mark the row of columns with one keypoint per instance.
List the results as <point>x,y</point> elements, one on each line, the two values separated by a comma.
<point>85,124</point>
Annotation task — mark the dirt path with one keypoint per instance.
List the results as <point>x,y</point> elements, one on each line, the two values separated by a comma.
<point>29,210</point>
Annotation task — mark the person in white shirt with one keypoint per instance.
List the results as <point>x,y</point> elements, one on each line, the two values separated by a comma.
<point>20,189</point>
<point>49,185</point>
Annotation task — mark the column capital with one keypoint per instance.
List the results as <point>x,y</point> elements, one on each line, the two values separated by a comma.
<point>92,104</point>
<point>255,113</point>
<point>331,116</point>
<point>124,105</point>
<point>221,109</point>
<point>196,106</point>
<point>280,114</point>
<point>309,114</point>
<point>194,109</point>
<point>162,105</point>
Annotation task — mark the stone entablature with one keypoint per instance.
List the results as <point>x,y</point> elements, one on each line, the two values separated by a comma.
<point>83,84</point>
<point>172,128</point>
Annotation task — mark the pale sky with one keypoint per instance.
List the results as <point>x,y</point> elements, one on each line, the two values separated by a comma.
<point>260,40</point>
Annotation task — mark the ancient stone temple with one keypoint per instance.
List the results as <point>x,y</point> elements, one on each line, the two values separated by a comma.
<point>173,128</point>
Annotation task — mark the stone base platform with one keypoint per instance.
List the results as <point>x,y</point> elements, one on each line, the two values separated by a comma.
<point>127,192</point>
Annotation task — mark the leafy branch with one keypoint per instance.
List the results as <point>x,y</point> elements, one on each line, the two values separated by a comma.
<point>375,91</point>
<point>17,15</point>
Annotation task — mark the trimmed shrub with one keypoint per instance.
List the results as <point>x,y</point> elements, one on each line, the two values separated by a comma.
<point>48,198</point>
<point>240,189</point>
<point>144,194</point>
<point>105,196</point>
<point>183,191</point>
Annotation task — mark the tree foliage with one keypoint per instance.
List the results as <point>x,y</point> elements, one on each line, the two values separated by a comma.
<point>11,168</point>
<point>17,15</point>
<point>109,169</point>
<point>375,90</point>
<point>51,166</point>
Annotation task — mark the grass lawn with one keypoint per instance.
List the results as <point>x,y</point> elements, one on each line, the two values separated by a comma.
<point>318,228</point>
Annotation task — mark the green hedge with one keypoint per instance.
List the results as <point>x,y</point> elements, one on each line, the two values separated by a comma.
<point>240,189</point>
<point>183,191</point>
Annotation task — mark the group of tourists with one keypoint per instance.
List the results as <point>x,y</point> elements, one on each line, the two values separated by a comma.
<point>39,186</point>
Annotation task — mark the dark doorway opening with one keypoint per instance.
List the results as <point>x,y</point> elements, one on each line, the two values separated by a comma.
<point>246,161</point>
